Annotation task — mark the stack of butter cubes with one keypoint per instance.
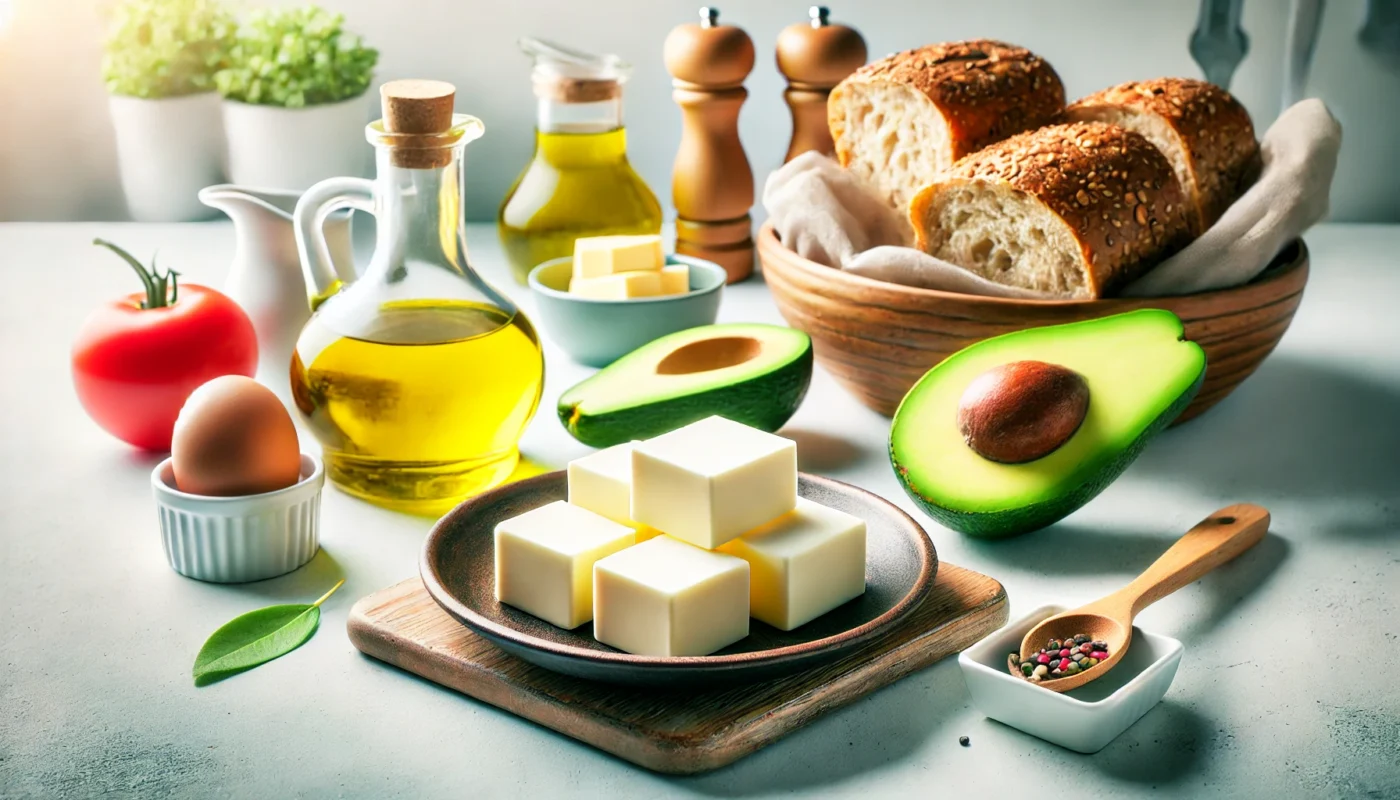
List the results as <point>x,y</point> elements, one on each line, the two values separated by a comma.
<point>624,267</point>
<point>669,545</point>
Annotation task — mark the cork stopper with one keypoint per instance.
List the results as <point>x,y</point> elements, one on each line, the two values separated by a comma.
<point>817,54</point>
<point>708,55</point>
<point>415,106</point>
<point>565,89</point>
<point>421,110</point>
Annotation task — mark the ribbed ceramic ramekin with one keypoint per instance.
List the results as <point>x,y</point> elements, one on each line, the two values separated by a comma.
<point>239,539</point>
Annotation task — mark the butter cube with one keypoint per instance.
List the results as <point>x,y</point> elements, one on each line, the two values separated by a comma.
<point>668,598</point>
<point>545,557</point>
<point>602,483</point>
<point>596,256</point>
<point>712,481</point>
<point>675,279</point>
<point>622,286</point>
<point>802,564</point>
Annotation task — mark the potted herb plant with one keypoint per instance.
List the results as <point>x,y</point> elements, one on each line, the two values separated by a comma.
<point>294,107</point>
<point>159,64</point>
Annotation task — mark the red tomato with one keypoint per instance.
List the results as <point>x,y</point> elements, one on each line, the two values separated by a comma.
<point>134,367</point>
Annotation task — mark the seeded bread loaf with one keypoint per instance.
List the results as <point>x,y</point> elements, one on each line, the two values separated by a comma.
<point>1074,210</point>
<point>899,121</point>
<point>1202,130</point>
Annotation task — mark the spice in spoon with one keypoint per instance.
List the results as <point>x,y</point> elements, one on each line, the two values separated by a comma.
<point>1060,659</point>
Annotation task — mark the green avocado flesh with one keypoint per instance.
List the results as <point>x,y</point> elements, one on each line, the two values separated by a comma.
<point>749,373</point>
<point>1141,374</point>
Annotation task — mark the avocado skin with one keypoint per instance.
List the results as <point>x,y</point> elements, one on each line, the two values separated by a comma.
<point>1016,521</point>
<point>765,402</point>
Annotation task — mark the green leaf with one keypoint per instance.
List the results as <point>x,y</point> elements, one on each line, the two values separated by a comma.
<point>166,48</point>
<point>294,57</point>
<point>256,638</point>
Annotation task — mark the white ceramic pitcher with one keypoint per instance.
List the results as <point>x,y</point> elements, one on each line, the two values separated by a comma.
<point>266,275</point>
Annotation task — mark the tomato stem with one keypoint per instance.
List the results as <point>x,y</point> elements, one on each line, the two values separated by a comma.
<point>161,290</point>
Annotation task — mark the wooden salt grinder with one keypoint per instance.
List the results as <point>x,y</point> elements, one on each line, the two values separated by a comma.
<point>815,56</point>
<point>712,183</point>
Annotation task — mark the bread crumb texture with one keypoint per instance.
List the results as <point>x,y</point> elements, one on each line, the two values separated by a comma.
<point>987,90</point>
<point>1115,209</point>
<point>901,120</point>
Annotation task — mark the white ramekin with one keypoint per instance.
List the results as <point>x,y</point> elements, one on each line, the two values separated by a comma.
<point>1086,719</point>
<point>239,539</point>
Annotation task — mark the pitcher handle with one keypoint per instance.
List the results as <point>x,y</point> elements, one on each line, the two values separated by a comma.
<point>309,218</point>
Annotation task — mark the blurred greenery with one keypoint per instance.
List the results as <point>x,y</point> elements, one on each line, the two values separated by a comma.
<point>166,48</point>
<point>296,57</point>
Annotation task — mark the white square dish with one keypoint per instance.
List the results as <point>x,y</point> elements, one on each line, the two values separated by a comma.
<point>1085,719</point>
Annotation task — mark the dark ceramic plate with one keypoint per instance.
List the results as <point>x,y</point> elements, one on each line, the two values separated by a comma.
<point>459,570</point>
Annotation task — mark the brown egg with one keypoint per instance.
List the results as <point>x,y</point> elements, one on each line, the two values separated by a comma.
<point>233,438</point>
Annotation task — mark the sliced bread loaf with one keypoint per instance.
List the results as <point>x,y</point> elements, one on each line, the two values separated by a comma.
<point>1202,130</point>
<point>1073,210</point>
<point>899,121</point>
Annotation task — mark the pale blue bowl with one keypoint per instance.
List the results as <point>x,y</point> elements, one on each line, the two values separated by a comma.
<point>599,332</point>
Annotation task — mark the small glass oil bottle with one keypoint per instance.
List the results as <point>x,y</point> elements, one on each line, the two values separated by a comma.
<point>419,378</point>
<point>579,182</point>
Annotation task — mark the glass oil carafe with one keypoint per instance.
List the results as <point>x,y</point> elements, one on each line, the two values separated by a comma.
<point>579,182</point>
<point>419,377</point>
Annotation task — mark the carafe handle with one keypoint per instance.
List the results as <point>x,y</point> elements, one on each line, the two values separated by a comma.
<point>319,202</point>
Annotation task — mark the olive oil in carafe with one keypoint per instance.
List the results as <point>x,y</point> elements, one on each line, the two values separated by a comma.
<point>426,407</point>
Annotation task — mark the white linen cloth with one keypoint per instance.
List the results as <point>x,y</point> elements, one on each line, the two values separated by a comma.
<point>827,215</point>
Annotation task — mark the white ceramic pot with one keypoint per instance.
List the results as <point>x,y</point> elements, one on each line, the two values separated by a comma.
<point>168,149</point>
<point>293,148</point>
<point>240,539</point>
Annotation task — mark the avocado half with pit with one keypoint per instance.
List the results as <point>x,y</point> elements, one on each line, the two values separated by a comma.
<point>1016,432</point>
<point>750,373</point>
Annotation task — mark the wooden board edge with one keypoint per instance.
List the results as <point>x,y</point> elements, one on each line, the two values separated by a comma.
<point>889,667</point>
<point>664,754</point>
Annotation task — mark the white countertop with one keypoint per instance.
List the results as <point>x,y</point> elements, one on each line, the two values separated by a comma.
<point>99,632</point>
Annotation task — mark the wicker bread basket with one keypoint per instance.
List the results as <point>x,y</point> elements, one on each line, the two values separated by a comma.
<point>878,338</point>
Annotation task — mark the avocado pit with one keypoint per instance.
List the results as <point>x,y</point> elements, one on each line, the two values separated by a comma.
<point>1022,411</point>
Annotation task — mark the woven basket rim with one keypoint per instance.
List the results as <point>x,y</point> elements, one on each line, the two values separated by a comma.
<point>1285,265</point>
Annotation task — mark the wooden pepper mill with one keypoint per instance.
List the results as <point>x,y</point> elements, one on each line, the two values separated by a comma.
<point>815,56</point>
<point>712,183</point>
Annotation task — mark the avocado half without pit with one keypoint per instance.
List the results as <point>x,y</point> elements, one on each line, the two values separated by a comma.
<point>750,373</point>
<point>1014,433</point>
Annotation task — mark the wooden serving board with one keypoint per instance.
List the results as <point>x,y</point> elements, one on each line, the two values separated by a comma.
<point>674,732</point>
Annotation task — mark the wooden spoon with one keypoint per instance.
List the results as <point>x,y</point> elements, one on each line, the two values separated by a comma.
<point>1217,539</point>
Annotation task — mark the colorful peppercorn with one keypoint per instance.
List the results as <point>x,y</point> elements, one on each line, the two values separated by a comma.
<point>1061,658</point>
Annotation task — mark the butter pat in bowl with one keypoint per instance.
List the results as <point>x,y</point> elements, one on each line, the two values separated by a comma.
<point>621,311</point>
<point>1086,719</point>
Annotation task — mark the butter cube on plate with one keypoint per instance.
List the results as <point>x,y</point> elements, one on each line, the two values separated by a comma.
<point>669,598</point>
<point>545,557</point>
<point>675,279</point>
<point>602,483</point>
<point>802,564</point>
<point>713,480</point>
<point>622,286</point>
<point>596,256</point>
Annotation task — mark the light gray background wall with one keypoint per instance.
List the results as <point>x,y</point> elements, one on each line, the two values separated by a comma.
<point>57,159</point>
